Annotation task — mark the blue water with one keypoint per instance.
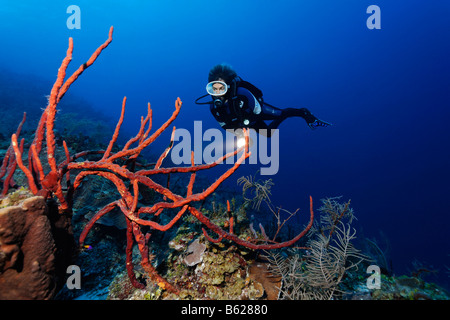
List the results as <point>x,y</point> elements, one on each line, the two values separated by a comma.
<point>386,91</point>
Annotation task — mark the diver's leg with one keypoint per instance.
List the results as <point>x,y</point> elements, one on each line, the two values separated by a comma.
<point>279,115</point>
<point>312,121</point>
<point>302,112</point>
<point>270,112</point>
<point>262,128</point>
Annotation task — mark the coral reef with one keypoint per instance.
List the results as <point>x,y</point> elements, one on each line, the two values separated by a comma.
<point>408,288</point>
<point>60,182</point>
<point>331,256</point>
<point>333,268</point>
<point>219,271</point>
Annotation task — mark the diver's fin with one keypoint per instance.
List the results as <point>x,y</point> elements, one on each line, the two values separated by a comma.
<point>318,123</point>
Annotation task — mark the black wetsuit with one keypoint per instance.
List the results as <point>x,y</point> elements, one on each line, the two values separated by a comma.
<point>246,111</point>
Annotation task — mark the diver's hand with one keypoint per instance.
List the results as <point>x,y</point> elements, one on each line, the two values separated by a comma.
<point>318,123</point>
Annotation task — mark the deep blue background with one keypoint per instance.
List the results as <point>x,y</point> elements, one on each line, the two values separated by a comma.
<point>386,92</point>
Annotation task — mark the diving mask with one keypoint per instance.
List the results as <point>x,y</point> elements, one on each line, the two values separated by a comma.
<point>217,88</point>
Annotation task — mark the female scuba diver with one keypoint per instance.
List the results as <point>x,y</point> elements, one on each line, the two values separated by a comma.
<point>239,104</point>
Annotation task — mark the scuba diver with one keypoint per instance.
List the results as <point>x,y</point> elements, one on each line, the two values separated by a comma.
<point>239,104</point>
